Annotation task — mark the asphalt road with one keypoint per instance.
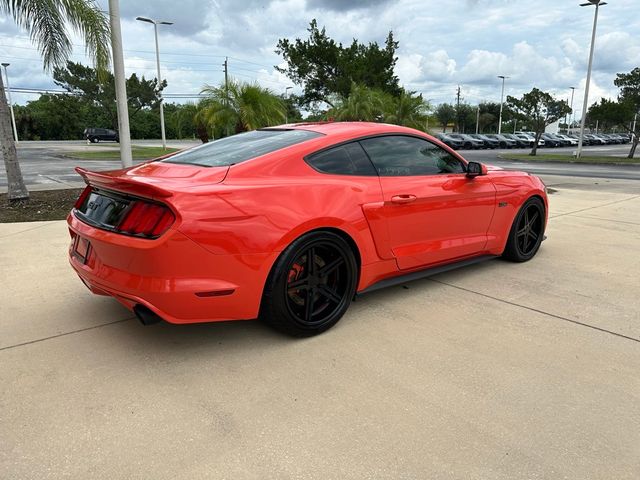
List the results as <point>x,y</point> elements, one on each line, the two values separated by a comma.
<point>45,166</point>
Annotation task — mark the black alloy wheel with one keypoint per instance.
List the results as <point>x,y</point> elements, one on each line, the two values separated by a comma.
<point>311,285</point>
<point>527,232</point>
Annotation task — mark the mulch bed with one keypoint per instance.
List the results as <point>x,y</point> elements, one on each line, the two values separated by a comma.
<point>44,205</point>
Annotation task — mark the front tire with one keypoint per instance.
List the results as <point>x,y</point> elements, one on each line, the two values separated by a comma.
<point>311,285</point>
<point>527,232</point>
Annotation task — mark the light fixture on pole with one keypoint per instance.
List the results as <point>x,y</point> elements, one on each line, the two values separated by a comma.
<point>286,98</point>
<point>13,118</point>
<point>598,4</point>
<point>155,31</point>
<point>501,102</point>
<point>571,115</point>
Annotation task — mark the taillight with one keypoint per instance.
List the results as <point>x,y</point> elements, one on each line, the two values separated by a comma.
<point>83,196</point>
<point>147,219</point>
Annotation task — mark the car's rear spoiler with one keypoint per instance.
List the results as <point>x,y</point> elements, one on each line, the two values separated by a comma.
<point>122,183</point>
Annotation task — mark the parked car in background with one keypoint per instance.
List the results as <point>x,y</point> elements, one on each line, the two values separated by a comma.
<point>551,141</point>
<point>530,139</point>
<point>503,141</point>
<point>520,143</point>
<point>593,139</point>
<point>449,141</point>
<point>468,141</point>
<point>605,140</point>
<point>488,141</point>
<point>572,141</point>
<point>615,138</point>
<point>95,135</point>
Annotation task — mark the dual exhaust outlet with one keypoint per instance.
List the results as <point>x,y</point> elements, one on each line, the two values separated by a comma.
<point>145,315</point>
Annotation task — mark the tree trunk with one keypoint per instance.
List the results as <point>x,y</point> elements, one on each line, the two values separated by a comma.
<point>634,145</point>
<point>536,139</point>
<point>16,187</point>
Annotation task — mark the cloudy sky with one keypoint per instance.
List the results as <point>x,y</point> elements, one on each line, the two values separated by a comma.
<point>542,43</point>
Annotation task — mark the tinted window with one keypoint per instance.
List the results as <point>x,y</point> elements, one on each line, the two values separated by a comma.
<point>348,159</point>
<point>241,147</point>
<point>405,156</point>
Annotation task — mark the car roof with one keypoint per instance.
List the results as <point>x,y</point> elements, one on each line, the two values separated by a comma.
<point>351,129</point>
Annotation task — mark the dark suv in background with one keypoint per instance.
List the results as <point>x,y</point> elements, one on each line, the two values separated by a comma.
<point>95,135</point>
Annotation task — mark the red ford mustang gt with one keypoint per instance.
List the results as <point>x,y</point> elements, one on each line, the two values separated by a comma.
<point>289,223</point>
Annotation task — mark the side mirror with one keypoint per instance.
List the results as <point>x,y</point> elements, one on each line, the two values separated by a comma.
<point>475,169</point>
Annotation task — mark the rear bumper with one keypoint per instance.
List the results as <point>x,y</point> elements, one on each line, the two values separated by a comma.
<point>172,276</point>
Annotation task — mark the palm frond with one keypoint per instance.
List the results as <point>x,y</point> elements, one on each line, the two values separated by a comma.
<point>46,21</point>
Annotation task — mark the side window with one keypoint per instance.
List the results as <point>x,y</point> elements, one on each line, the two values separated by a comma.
<point>398,156</point>
<point>348,159</point>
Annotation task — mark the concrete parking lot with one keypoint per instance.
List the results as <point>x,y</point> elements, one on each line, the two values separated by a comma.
<point>496,371</point>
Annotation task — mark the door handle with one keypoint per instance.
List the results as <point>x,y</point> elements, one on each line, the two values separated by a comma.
<point>404,198</point>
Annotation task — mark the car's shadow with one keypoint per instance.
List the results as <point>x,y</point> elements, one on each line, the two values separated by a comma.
<point>236,336</point>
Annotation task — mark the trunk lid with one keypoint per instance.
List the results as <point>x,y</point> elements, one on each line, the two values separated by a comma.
<point>155,179</point>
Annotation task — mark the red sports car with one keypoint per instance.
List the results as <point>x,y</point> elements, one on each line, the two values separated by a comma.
<point>289,223</point>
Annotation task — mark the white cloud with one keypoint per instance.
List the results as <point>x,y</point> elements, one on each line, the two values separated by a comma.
<point>541,43</point>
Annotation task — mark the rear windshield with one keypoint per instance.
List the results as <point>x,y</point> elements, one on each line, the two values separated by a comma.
<point>243,146</point>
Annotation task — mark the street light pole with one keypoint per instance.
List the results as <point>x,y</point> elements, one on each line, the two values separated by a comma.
<point>478,120</point>
<point>501,102</point>
<point>286,106</point>
<point>155,31</point>
<point>573,90</point>
<point>598,4</point>
<point>13,118</point>
<point>121,85</point>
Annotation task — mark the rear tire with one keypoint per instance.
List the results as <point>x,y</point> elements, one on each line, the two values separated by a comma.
<point>311,285</point>
<point>527,232</point>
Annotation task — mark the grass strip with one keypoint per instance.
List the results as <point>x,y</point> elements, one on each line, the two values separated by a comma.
<point>559,158</point>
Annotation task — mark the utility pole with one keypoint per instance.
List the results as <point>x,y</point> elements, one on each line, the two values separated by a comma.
<point>458,109</point>
<point>226,85</point>
<point>121,86</point>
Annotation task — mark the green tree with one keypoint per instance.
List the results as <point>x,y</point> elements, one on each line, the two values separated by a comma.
<point>190,120</point>
<point>241,107</point>
<point>486,120</point>
<point>326,68</point>
<point>629,98</point>
<point>47,23</point>
<point>445,113</point>
<point>55,117</point>
<point>407,109</point>
<point>538,109</point>
<point>491,112</point>
<point>465,118</point>
<point>363,104</point>
<point>83,81</point>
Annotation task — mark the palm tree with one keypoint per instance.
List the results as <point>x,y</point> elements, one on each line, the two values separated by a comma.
<point>363,104</point>
<point>241,106</point>
<point>408,110</point>
<point>47,23</point>
<point>190,117</point>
